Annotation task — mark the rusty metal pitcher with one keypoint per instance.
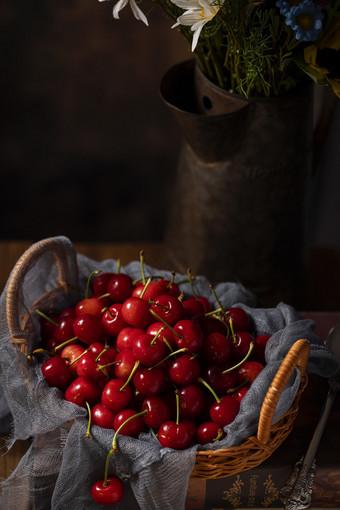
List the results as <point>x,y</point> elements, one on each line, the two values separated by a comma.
<point>239,200</point>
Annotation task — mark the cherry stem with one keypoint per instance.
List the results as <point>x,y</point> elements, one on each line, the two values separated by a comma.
<point>191,280</point>
<point>104,295</point>
<point>141,257</point>
<point>173,353</point>
<point>89,281</point>
<point>43,351</point>
<point>88,432</point>
<point>118,266</point>
<point>171,281</point>
<point>251,347</point>
<point>177,407</point>
<point>163,307</point>
<point>146,285</point>
<point>211,287</point>
<point>232,330</point>
<point>164,322</point>
<point>167,344</point>
<point>44,316</point>
<point>106,472</point>
<point>219,435</point>
<point>101,367</point>
<point>78,357</point>
<point>202,381</point>
<point>98,357</point>
<point>157,335</point>
<point>243,383</point>
<point>107,309</point>
<point>60,346</point>
<point>132,373</point>
<point>114,442</point>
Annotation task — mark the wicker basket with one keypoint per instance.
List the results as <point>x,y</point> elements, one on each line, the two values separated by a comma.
<point>209,464</point>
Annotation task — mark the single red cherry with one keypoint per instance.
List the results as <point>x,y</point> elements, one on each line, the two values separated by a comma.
<point>216,349</point>
<point>258,353</point>
<point>208,432</point>
<point>114,397</point>
<point>168,308</point>
<point>81,391</point>
<point>71,353</point>
<point>56,372</point>
<point>192,401</point>
<point>149,382</point>
<point>136,312</point>
<point>157,411</point>
<point>133,427</point>
<point>193,308</point>
<point>88,328</point>
<point>184,370</point>
<point>102,416</point>
<point>127,336</point>
<point>175,435</point>
<point>240,393</point>
<point>239,318</point>
<point>188,335</point>
<point>155,327</point>
<point>112,320</point>
<point>64,331</point>
<point>89,368</point>
<point>108,492</point>
<point>248,371</point>
<point>224,411</point>
<point>240,344</point>
<point>219,381</point>
<point>125,361</point>
<point>149,350</point>
<point>92,306</point>
<point>119,287</point>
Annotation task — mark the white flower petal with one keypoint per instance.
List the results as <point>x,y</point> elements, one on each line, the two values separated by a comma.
<point>187,4</point>
<point>118,7</point>
<point>138,13</point>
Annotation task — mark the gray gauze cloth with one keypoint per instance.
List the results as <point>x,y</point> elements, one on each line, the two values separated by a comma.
<point>61,465</point>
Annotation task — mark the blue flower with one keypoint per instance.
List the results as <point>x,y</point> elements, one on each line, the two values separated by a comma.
<point>306,20</point>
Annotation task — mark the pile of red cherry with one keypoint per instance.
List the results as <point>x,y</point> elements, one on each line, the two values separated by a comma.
<point>141,354</point>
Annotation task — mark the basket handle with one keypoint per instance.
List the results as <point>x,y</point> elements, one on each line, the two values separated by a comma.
<point>297,356</point>
<point>66,262</point>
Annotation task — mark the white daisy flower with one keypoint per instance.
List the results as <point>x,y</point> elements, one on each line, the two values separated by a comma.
<point>196,15</point>
<point>138,13</point>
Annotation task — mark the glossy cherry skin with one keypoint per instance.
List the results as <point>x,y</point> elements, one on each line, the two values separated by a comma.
<point>240,344</point>
<point>88,328</point>
<point>225,411</point>
<point>248,371</point>
<point>112,320</point>
<point>240,393</point>
<point>149,351</point>
<point>125,362</point>
<point>184,370</point>
<point>208,432</point>
<point>136,312</point>
<point>113,397</point>
<point>109,494</point>
<point>149,382</point>
<point>133,427</point>
<point>173,435</point>
<point>191,401</point>
<point>193,308</point>
<point>188,335</point>
<point>102,416</point>
<point>92,306</point>
<point>100,282</point>
<point>127,337</point>
<point>154,328</point>
<point>220,382</point>
<point>64,331</point>
<point>240,319</point>
<point>212,325</point>
<point>216,349</point>
<point>158,411</point>
<point>169,308</point>
<point>56,372</point>
<point>88,368</point>
<point>258,353</point>
<point>70,353</point>
<point>82,390</point>
<point>119,287</point>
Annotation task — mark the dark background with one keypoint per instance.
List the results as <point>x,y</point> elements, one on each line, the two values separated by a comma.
<point>88,149</point>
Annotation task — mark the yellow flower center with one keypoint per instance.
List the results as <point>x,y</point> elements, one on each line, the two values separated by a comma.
<point>304,21</point>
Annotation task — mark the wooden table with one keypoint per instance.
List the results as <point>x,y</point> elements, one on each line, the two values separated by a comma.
<point>322,291</point>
